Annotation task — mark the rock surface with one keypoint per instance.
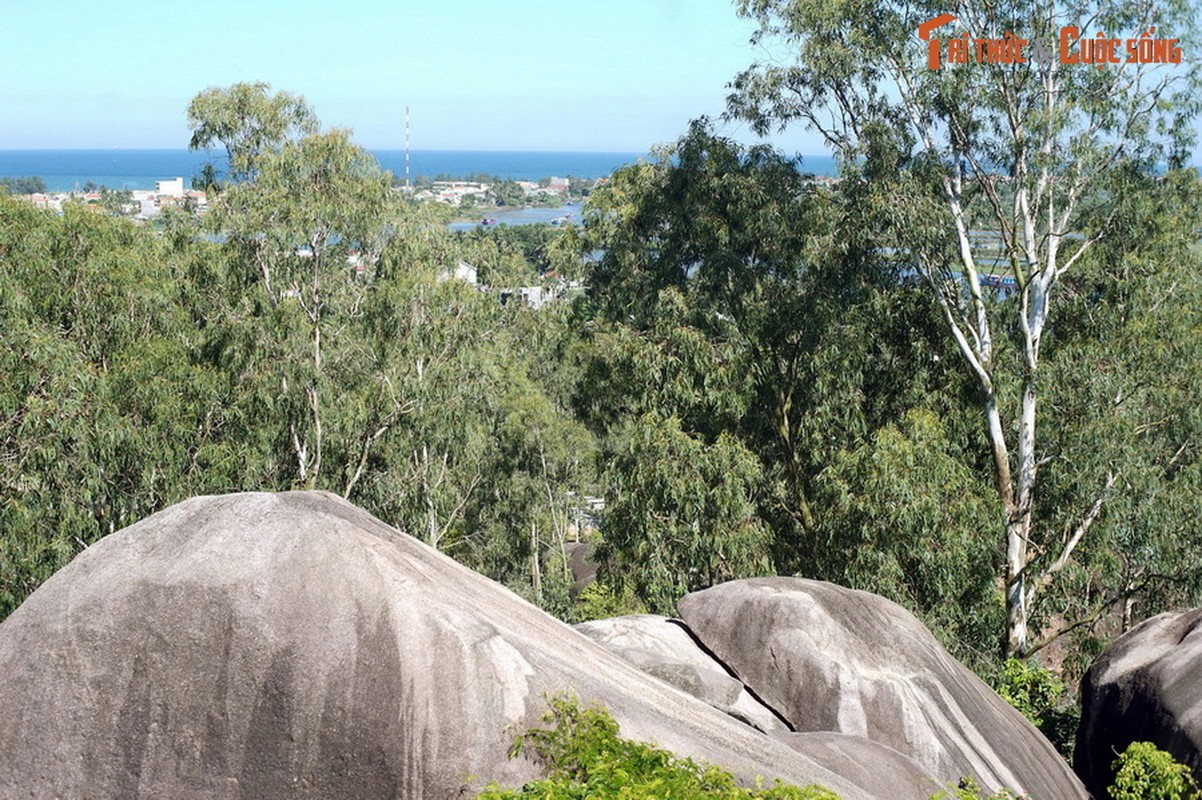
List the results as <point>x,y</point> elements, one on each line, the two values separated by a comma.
<point>665,648</point>
<point>293,646</point>
<point>582,564</point>
<point>833,659</point>
<point>894,775</point>
<point>1146,686</point>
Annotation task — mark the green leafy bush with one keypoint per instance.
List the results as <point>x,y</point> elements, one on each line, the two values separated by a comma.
<point>1144,772</point>
<point>583,757</point>
<point>969,790</point>
<point>1043,699</point>
<point>605,599</point>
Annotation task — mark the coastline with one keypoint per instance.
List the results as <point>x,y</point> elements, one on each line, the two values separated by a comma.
<point>70,170</point>
<point>139,169</point>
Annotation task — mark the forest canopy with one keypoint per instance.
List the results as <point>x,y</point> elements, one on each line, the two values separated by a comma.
<point>757,373</point>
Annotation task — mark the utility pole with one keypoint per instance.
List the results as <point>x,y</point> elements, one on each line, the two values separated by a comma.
<point>407,185</point>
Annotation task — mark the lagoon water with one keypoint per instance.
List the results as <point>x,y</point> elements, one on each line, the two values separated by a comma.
<point>569,213</point>
<point>66,170</point>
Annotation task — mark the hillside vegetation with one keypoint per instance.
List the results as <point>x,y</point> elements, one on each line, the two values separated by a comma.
<point>755,381</point>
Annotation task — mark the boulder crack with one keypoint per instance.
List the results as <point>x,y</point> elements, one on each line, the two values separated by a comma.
<point>714,656</point>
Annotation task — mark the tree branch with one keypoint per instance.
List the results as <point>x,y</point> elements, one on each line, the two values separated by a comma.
<point>1078,533</point>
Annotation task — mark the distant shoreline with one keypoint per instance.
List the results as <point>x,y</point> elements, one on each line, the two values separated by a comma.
<point>66,170</point>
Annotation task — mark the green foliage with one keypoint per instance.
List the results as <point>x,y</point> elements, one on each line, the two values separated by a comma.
<point>580,188</point>
<point>248,122</point>
<point>969,790</point>
<point>1120,370</point>
<point>602,600</point>
<point>1144,772</point>
<point>306,340</point>
<point>102,408</point>
<point>116,201</point>
<point>512,255</point>
<point>540,451</point>
<point>509,193</point>
<point>310,227</point>
<point>1043,699</point>
<point>903,517</point>
<point>32,184</point>
<point>754,382</point>
<point>583,756</point>
<point>683,517</point>
<point>745,310</point>
<point>984,171</point>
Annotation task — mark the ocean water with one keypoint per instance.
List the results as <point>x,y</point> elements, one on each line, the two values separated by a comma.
<point>66,170</point>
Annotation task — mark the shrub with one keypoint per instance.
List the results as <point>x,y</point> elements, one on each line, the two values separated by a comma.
<point>969,790</point>
<point>605,599</point>
<point>583,757</point>
<point>1144,772</point>
<point>1043,700</point>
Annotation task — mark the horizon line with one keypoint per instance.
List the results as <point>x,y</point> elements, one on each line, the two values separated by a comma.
<point>124,149</point>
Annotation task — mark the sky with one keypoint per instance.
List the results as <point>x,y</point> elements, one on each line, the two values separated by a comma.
<point>585,75</point>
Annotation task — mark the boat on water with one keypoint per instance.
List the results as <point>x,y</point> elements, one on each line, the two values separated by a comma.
<point>488,221</point>
<point>999,281</point>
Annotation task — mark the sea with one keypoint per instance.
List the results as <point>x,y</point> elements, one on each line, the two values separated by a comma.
<point>69,170</point>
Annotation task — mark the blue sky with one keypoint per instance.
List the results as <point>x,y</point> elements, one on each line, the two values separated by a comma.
<point>615,75</point>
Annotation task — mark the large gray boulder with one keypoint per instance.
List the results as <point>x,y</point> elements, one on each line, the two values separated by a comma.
<point>666,649</point>
<point>293,646</point>
<point>1146,686</point>
<point>832,659</point>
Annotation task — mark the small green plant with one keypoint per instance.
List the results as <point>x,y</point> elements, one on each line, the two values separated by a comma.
<point>583,756</point>
<point>602,600</point>
<point>1144,772</point>
<point>969,790</point>
<point>1043,700</point>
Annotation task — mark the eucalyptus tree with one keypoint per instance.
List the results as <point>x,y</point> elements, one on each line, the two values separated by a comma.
<point>528,516</point>
<point>314,222</point>
<point>355,363</point>
<point>248,121</point>
<point>683,514</point>
<point>742,308</point>
<point>1122,372</point>
<point>102,407</point>
<point>1017,164</point>
<point>306,218</point>
<point>445,351</point>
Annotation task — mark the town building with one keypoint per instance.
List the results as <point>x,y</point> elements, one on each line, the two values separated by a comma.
<point>170,188</point>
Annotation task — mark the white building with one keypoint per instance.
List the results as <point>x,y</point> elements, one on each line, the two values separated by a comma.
<point>453,192</point>
<point>171,188</point>
<point>463,272</point>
